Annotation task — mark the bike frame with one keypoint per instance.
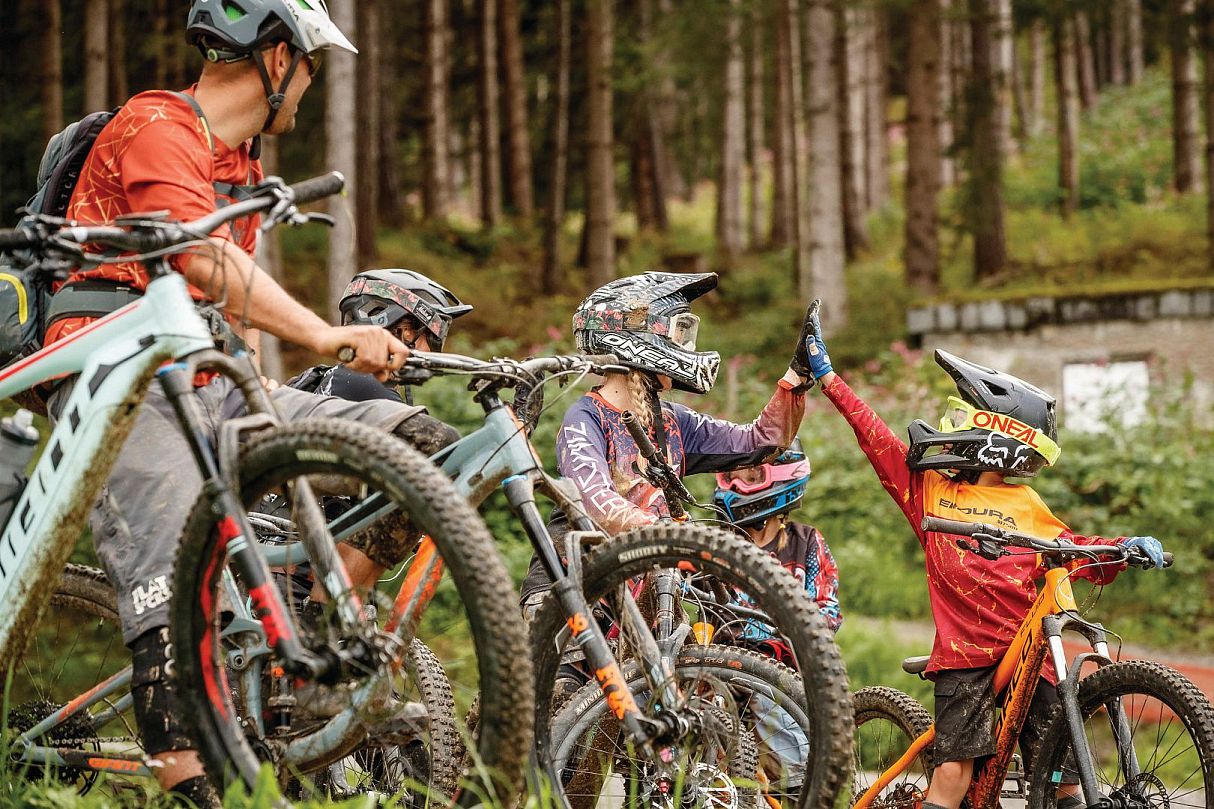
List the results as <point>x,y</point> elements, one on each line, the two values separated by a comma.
<point>1016,679</point>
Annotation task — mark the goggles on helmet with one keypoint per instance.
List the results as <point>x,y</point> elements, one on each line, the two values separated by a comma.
<point>961,415</point>
<point>745,481</point>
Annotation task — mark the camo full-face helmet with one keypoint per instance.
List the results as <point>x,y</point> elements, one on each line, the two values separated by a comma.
<point>747,497</point>
<point>999,423</point>
<point>646,322</point>
<point>386,297</point>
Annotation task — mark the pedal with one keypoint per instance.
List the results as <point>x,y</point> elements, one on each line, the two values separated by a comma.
<point>1016,777</point>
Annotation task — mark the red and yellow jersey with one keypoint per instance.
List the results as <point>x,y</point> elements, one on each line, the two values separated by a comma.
<point>156,155</point>
<point>977,604</point>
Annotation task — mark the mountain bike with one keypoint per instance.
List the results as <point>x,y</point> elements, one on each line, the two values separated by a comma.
<point>499,454</point>
<point>770,743</point>
<point>1132,733</point>
<point>161,337</point>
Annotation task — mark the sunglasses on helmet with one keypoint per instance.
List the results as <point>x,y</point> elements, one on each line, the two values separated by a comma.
<point>961,415</point>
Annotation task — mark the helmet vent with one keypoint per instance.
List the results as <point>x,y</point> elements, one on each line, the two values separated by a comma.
<point>234,11</point>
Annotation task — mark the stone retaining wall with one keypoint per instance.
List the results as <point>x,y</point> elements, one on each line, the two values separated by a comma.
<point>1034,338</point>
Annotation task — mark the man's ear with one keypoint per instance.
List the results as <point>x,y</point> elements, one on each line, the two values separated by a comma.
<point>278,60</point>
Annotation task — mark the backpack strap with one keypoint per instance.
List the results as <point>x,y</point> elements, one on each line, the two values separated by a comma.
<point>206,126</point>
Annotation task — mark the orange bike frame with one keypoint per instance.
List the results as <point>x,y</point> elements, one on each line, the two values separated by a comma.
<point>1016,678</point>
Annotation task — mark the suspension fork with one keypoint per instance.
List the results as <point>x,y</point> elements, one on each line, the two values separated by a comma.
<point>586,633</point>
<point>234,528</point>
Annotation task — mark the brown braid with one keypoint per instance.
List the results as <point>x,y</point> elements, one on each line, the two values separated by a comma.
<point>638,391</point>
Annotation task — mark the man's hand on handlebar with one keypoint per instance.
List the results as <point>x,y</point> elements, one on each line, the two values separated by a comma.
<point>368,349</point>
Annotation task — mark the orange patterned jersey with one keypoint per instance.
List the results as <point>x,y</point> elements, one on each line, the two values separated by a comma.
<point>977,604</point>
<point>156,155</point>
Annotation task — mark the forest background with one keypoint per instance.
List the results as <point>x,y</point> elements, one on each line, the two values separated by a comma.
<point>872,154</point>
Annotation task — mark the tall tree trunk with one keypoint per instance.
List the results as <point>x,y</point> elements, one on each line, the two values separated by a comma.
<point>341,137</point>
<point>1100,44</point>
<point>367,70</point>
<point>826,252</point>
<point>733,142</point>
<point>781,140</point>
<point>1185,155</point>
<point>673,181</point>
<point>1067,92</point>
<point>96,53</point>
<point>1020,99</point>
<point>947,109</point>
<point>119,89</point>
<point>849,54</point>
<point>962,63</point>
<point>985,208</point>
<point>1037,75</point>
<point>924,71</point>
<point>648,147</point>
<point>518,138</point>
<point>160,44</point>
<point>436,177</point>
<point>600,173</point>
<point>876,113</point>
<point>390,202</point>
<point>1133,28</point>
<point>800,227</point>
<point>269,258</point>
<point>756,143</point>
<point>1002,43</point>
<point>1087,65</point>
<point>1207,49</point>
<point>554,217</point>
<point>52,70</point>
<point>488,101</point>
<point>1117,42</point>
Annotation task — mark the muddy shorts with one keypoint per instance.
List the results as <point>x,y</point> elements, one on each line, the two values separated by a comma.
<point>141,511</point>
<point>965,717</point>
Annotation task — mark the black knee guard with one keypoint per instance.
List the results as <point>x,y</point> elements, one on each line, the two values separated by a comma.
<point>157,713</point>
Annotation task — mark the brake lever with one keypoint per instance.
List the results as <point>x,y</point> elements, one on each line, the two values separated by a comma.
<point>985,546</point>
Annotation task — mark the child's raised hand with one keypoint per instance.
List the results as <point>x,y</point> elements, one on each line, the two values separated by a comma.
<point>1149,546</point>
<point>810,359</point>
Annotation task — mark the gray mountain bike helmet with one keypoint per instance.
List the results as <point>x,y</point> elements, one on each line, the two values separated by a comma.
<point>1000,423</point>
<point>646,322</point>
<point>384,297</point>
<point>231,30</point>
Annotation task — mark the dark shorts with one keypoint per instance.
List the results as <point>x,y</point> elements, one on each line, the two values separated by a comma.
<point>965,717</point>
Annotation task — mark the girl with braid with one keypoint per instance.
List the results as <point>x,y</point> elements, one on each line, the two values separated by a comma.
<point>646,322</point>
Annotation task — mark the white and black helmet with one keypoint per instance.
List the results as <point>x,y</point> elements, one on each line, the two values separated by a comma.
<point>646,322</point>
<point>244,25</point>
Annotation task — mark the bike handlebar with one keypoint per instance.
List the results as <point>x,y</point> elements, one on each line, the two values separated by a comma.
<point>1059,547</point>
<point>658,468</point>
<point>145,236</point>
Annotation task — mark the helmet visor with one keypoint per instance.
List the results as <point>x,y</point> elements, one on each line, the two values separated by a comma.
<point>961,415</point>
<point>745,481</point>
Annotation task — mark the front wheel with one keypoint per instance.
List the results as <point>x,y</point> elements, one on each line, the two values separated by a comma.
<point>343,456</point>
<point>887,721</point>
<point>704,550</point>
<point>1150,735</point>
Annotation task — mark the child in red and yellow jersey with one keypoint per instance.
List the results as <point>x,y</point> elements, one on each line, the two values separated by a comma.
<point>999,427</point>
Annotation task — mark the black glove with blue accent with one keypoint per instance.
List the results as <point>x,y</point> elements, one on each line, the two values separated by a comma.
<point>810,360</point>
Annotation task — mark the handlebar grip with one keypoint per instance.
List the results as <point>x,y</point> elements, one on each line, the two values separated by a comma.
<point>15,238</point>
<point>318,188</point>
<point>648,451</point>
<point>943,526</point>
